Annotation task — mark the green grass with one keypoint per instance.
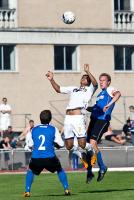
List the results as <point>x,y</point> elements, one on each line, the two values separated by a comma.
<point>115,186</point>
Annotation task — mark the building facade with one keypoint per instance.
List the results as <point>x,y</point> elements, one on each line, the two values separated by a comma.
<point>34,39</point>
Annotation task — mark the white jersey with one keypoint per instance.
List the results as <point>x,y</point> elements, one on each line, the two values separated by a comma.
<point>79,97</point>
<point>28,141</point>
<point>5,120</point>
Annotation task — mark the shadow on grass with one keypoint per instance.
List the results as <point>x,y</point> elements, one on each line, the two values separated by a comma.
<point>108,190</point>
<point>51,195</point>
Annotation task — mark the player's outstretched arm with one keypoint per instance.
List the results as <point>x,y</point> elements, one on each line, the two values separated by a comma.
<point>50,76</point>
<point>115,98</point>
<point>92,78</point>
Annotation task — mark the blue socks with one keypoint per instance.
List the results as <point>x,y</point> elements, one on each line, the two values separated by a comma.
<point>29,180</point>
<point>100,161</point>
<point>30,177</point>
<point>63,179</point>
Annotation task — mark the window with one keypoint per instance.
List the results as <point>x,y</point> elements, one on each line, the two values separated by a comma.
<point>7,58</point>
<point>121,5</point>
<point>65,58</point>
<point>124,58</point>
<point>4,4</point>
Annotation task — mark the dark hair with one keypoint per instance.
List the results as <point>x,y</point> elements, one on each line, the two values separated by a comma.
<point>107,75</point>
<point>131,107</point>
<point>31,121</point>
<point>45,116</point>
<point>88,79</point>
<point>4,98</point>
<point>128,121</point>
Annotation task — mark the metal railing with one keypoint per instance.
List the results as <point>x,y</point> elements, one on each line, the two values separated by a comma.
<point>18,159</point>
<point>7,18</point>
<point>124,20</point>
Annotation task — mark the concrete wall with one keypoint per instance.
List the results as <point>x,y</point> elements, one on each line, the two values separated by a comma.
<point>47,13</point>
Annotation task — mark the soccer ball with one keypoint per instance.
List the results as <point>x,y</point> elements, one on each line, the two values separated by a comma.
<point>68,17</point>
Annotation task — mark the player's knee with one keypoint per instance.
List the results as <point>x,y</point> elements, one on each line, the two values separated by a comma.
<point>82,145</point>
<point>69,146</point>
<point>93,142</point>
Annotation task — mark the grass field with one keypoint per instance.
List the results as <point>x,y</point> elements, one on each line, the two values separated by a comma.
<point>115,186</point>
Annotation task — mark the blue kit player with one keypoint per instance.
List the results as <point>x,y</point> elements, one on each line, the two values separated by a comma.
<point>99,123</point>
<point>43,139</point>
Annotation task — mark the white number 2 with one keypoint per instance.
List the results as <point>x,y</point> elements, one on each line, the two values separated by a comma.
<point>42,138</point>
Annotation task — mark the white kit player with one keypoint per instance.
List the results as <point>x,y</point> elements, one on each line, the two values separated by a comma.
<point>74,123</point>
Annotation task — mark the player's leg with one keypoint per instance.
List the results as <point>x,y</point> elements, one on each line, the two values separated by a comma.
<point>53,164</point>
<point>75,126</point>
<point>91,163</point>
<point>98,153</point>
<point>35,168</point>
<point>63,179</point>
<point>68,134</point>
<point>99,128</point>
<point>83,155</point>
<point>80,132</point>
<point>69,143</point>
<point>90,174</point>
<point>29,181</point>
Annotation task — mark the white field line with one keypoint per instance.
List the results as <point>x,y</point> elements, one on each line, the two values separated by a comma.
<point>118,169</point>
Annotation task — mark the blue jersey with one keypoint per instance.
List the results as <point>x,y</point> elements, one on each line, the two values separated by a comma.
<point>104,97</point>
<point>43,137</point>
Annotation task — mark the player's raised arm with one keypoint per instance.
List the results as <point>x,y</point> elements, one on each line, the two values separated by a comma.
<point>50,76</point>
<point>115,98</point>
<point>92,78</point>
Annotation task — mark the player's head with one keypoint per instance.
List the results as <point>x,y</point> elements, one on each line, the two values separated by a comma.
<point>131,108</point>
<point>31,123</point>
<point>6,139</point>
<point>105,80</point>
<point>45,116</point>
<point>128,121</point>
<point>85,80</point>
<point>4,100</point>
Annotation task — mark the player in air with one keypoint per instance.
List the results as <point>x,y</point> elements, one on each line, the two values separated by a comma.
<point>100,120</point>
<point>43,139</point>
<point>74,123</point>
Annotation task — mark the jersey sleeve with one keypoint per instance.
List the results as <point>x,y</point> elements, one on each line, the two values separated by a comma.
<point>29,140</point>
<point>58,138</point>
<point>111,90</point>
<point>67,90</point>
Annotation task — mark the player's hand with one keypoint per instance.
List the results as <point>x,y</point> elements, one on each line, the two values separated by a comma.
<point>86,68</point>
<point>50,75</point>
<point>106,108</point>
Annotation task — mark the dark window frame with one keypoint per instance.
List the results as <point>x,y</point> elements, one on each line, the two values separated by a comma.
<point>63,57</point>
<point>123,58</point>
<point>121,5</point>
<point>7,53</point>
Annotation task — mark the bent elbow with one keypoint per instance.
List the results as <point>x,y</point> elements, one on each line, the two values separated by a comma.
<point>119,94</point>
<point>58,91</point>
<point>96,86</point>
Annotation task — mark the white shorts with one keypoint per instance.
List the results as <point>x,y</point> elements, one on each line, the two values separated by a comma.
<point>74,125</point>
